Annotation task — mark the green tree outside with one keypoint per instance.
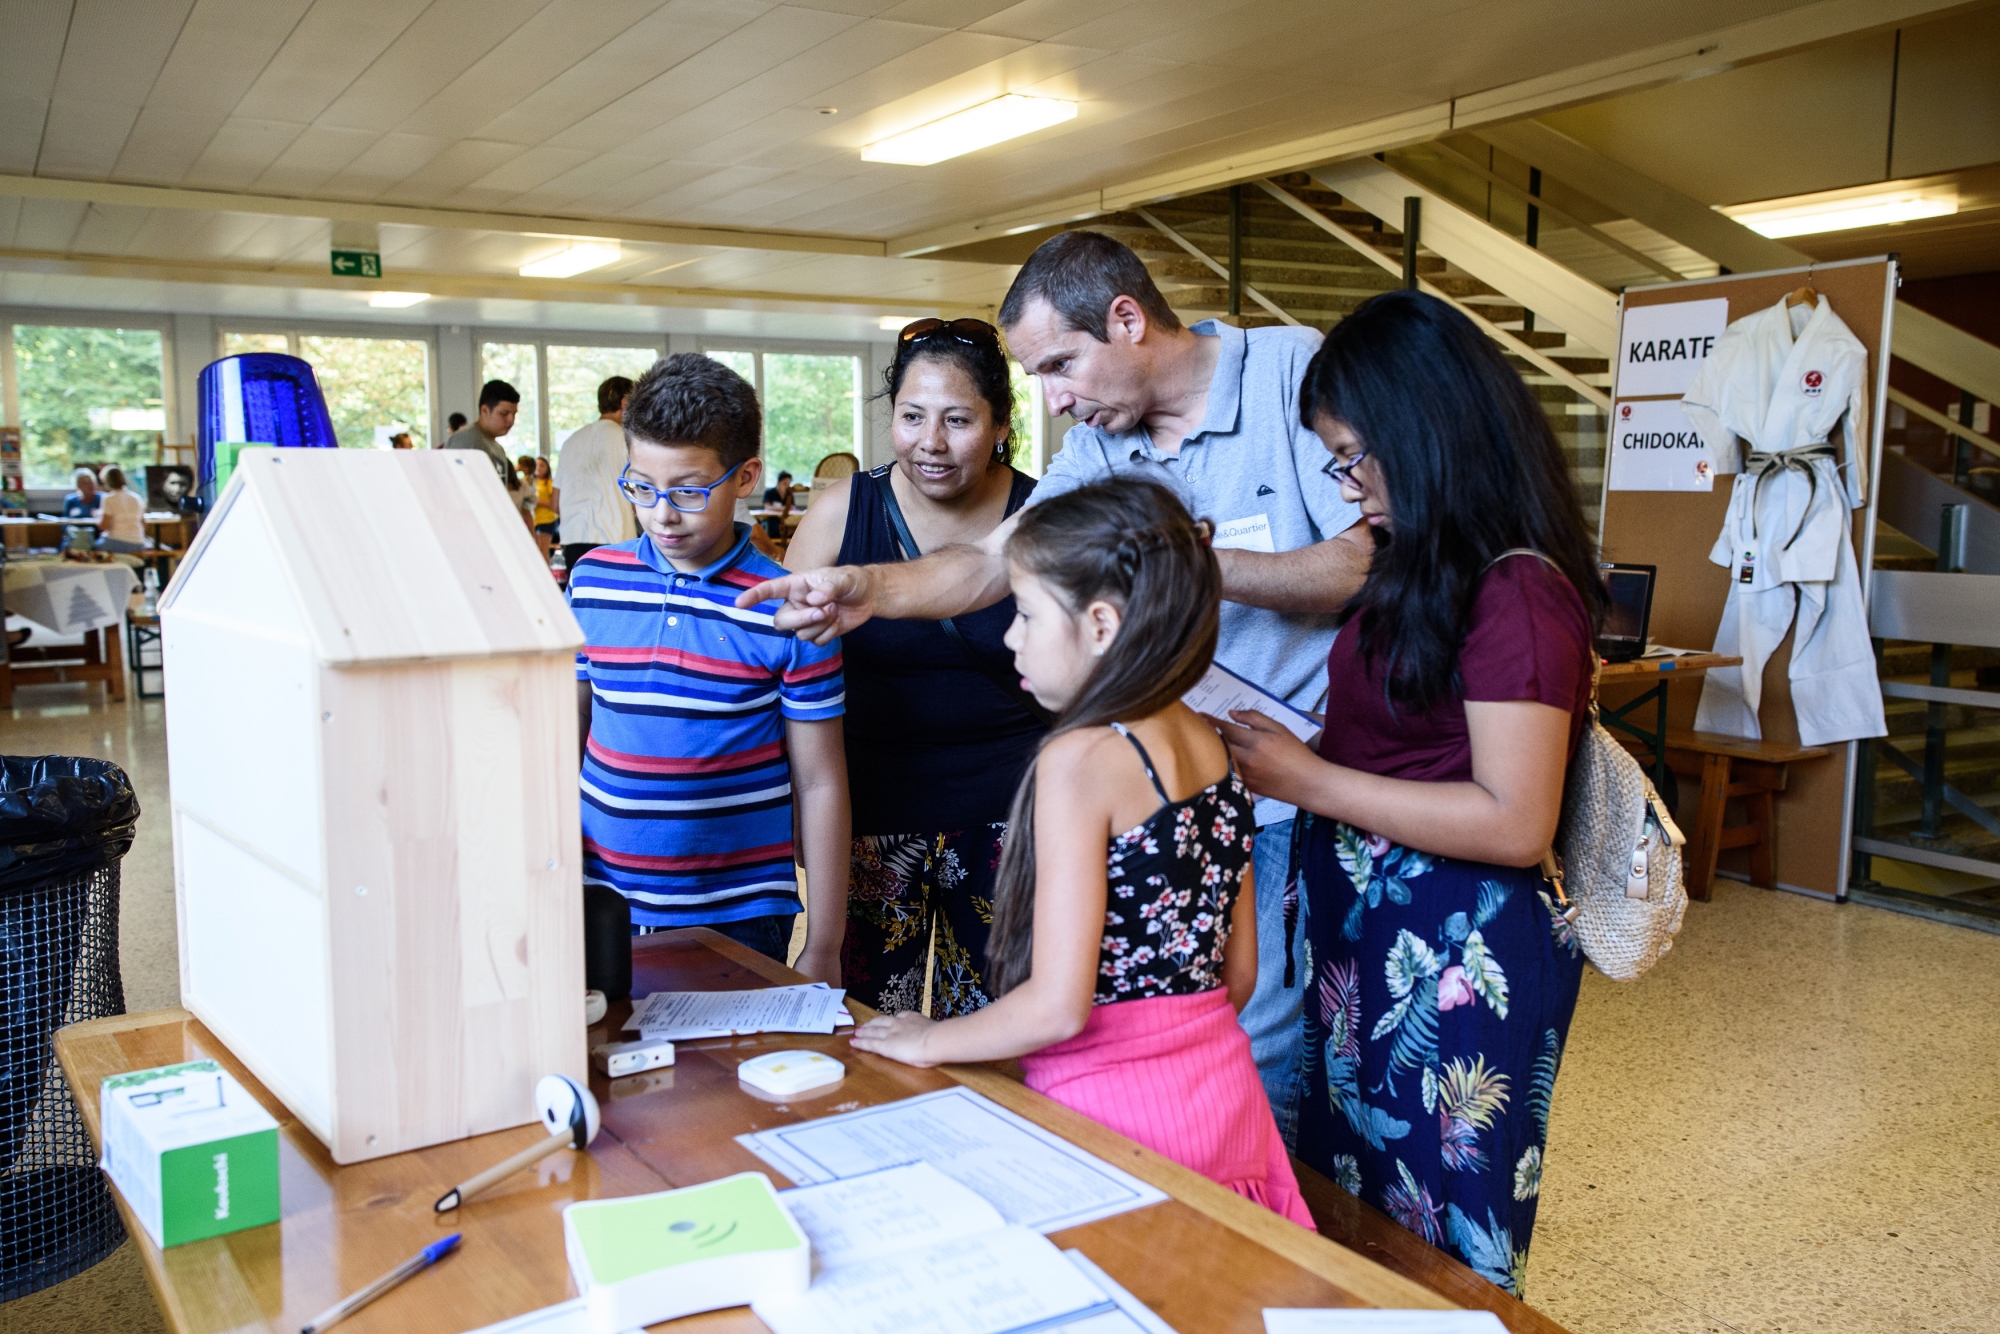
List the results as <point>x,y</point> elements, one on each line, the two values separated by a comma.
<point>808,410</point>
<point>88,395</point>
<point>372,385</point>
<point>514,363</point>
<point>575,373</point>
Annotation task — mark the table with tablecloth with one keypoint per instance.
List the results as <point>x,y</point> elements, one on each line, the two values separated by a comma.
<point>85,598</point>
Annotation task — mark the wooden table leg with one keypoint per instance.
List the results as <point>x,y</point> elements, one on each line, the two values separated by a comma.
<point>114,658</point>
<point>1706,844</point>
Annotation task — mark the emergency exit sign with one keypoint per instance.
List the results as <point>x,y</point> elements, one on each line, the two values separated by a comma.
<point>357,264</point>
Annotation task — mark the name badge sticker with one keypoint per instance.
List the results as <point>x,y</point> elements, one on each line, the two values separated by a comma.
<point>1250,534</point>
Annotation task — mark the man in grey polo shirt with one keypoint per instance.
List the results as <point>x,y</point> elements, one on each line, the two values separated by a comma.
<point>1213,412</point>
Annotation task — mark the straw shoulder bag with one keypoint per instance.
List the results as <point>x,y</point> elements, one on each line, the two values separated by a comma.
<point>1616,863</point>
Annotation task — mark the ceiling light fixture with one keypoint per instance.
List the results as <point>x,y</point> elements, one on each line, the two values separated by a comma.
<point>989,123</point>
<point>396,300</point>
<point>1844,210</point>
<point>577,257</point>
<point>895,323</point>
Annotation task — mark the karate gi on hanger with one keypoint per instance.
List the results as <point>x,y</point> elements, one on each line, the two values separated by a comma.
<point>1783,379</point>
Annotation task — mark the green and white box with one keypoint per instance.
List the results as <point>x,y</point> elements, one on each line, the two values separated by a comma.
<point>191,1151</point>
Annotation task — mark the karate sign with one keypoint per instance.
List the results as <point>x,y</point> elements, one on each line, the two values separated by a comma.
<point>1654,447</point>
<point>1659,347</point>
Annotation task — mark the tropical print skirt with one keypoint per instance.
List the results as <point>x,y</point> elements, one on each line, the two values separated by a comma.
<point>1439,995</point>
<point>900,886</point>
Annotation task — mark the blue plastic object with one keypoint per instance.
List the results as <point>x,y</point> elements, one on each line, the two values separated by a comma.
<point>256,398</point>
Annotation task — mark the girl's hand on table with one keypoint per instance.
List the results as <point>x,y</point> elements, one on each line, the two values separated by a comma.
<point>1273,762</point>
<point>900,1037</point>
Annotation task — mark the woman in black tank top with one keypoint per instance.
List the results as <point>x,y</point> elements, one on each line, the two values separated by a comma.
<point>938,729</point>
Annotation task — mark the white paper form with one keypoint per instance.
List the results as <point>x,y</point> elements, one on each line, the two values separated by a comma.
<point>878,1213</point>
<point>682,1016</point>
<point>996,1283</point>
<point>1034,1178</point>
<point>1220,690</point>
<point>570,1317</point>
<point>1297,1320</point>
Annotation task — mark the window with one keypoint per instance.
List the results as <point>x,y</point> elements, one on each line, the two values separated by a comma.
<point>812,405</point>
<point>88,395</point>
<point>517,364</point>
<point>1027,437</point>
<point>374,388</point>
<point>575,373</point>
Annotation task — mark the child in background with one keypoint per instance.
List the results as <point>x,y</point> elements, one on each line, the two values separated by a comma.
<point>1124,922</point>
<point>704,724</point>
<point>544,483</point>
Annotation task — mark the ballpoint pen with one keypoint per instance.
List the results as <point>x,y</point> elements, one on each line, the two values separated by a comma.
<point>347,1306</point>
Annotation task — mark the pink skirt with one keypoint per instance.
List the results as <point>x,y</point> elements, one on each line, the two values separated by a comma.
<point>1175,1074</point>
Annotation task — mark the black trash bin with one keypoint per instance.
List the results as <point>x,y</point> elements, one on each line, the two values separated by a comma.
<point>64,823</point>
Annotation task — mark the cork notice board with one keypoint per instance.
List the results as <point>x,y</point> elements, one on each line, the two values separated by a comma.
<point>1675,529</point>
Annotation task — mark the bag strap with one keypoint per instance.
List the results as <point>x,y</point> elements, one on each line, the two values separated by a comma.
<point>906,543</point>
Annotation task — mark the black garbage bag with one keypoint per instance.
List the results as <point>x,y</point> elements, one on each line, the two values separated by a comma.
<point>64,824</point>
<point>61,813</point>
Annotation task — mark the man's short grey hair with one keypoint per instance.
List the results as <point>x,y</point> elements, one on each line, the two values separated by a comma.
<point>82,473</point>
<point>1080,274</point>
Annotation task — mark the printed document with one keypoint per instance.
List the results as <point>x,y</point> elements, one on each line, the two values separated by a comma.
<point>682,1016</point>
<point>1034,1179</point>
<point>1220,690</point>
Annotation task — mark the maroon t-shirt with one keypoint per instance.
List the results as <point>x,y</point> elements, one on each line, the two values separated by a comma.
<point>1528,638</point>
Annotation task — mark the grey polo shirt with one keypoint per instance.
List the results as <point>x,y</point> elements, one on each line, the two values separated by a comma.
<point>1255,472</point>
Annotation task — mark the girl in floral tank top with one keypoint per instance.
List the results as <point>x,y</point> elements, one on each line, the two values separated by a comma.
<point>1124,933</point>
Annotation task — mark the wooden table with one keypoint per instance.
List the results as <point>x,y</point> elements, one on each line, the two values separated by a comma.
<point>1662,672</point>
<point>1206,1259</point>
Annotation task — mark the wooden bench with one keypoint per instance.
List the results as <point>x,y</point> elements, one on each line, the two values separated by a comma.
<point>1733,766</point>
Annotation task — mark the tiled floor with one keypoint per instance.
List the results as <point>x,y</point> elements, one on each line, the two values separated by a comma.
<point>1792,1124</point>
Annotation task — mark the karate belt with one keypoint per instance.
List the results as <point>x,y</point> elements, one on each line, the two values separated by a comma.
<point>1763,466</point>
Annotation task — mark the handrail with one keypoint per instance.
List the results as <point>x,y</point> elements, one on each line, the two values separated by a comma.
<point>1936,418</point>
<point>1490,329</point>
<point>1210,260</point>
<point>1567,219</point>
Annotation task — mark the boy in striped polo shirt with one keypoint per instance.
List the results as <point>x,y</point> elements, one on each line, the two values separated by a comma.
<point>703,723</point>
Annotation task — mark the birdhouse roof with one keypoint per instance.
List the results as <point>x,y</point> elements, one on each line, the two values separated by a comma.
<point>388,555</point>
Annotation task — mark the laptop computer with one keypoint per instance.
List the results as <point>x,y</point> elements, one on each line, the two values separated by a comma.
<point>1623,637</point>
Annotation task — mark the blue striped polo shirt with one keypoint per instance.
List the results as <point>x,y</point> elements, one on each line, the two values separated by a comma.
<point>687,792</point>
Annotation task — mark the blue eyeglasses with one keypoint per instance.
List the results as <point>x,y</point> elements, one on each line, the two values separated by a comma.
<point>686,499</point>
<point>1339,471</point>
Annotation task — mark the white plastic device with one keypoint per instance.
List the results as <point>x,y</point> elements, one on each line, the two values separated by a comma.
<point>790,1072</point>
<point>618,1059</point>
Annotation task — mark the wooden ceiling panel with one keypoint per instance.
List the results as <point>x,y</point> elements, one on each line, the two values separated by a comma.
<point>107,229</point>
<point>1047,20</point>
<point>458,166</point>
<point>330,48</point>
<point>165,143</point>
<point>598,172</point>
<point>527,171</point>
<point>83,136</point>
<point>315,158</point>
<point>945,13</point>
<point>21,121</point>
<point>387,160</point>
<point>36,30</point>
<point>445,40</point>
<point>115,50</point>
<point>240,152</point>
<point>48,224</point>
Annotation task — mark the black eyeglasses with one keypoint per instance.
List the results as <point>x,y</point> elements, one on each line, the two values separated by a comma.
<point>1339,471</point>
<point>976,332</point>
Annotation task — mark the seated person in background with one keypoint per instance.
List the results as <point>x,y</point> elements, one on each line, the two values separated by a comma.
<point>779,497</point>
<point>1124,936</point>
<point>455,423</point>
<point>694,713</point>
<point>121,516</point>
<point>81,503</point>
<point>401,440</point>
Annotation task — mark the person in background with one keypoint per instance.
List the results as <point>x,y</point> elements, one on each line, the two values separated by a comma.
<point>499,404</point>
<point>938,728</point>
<point>81,503</point>
<point>541,482</point>
<point>1125,925</point>
<point>121,516</point>
<point>779,497</point>
<point>590,510</point>
<point>401,440</point>
<point>1443,973</point>
<point>454,423</point>
<point>1212,411</point>
<point>709,735</point>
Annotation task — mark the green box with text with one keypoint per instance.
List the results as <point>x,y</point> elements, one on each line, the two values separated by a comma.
<point>190,1150</point>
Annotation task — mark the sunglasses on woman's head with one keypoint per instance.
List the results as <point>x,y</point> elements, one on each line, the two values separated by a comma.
<point>977,332</point>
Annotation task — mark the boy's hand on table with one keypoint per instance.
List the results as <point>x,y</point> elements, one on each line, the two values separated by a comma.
<point>820,963</point>
<point>900,1037</point>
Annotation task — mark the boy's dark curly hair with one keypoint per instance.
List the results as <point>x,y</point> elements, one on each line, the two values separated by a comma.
<point>689,399</point>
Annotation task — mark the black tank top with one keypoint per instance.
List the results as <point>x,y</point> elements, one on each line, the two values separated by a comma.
<point>932,743</point>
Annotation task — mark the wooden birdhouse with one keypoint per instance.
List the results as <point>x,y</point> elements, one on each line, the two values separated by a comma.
<point>371,725</point>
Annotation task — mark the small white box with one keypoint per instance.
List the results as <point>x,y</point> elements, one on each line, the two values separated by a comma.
<point>788,1072</point>
<point>615,1060</point>
<point>190,1150</point>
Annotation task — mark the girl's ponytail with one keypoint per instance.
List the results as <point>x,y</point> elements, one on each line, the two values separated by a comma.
<point>1129,542</point>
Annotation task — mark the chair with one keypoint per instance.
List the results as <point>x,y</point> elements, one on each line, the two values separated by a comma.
<point>834,467</point>
<point>1734,767</point>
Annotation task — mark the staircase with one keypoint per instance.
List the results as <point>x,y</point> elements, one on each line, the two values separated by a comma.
<point>1316,280</point>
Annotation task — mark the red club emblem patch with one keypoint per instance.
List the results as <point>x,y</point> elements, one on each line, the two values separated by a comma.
<point>1625,411</point>
<point>1812,383</point>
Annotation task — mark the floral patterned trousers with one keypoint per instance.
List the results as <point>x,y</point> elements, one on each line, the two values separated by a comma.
<point>1439,995</point>
<point>900,886</point>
